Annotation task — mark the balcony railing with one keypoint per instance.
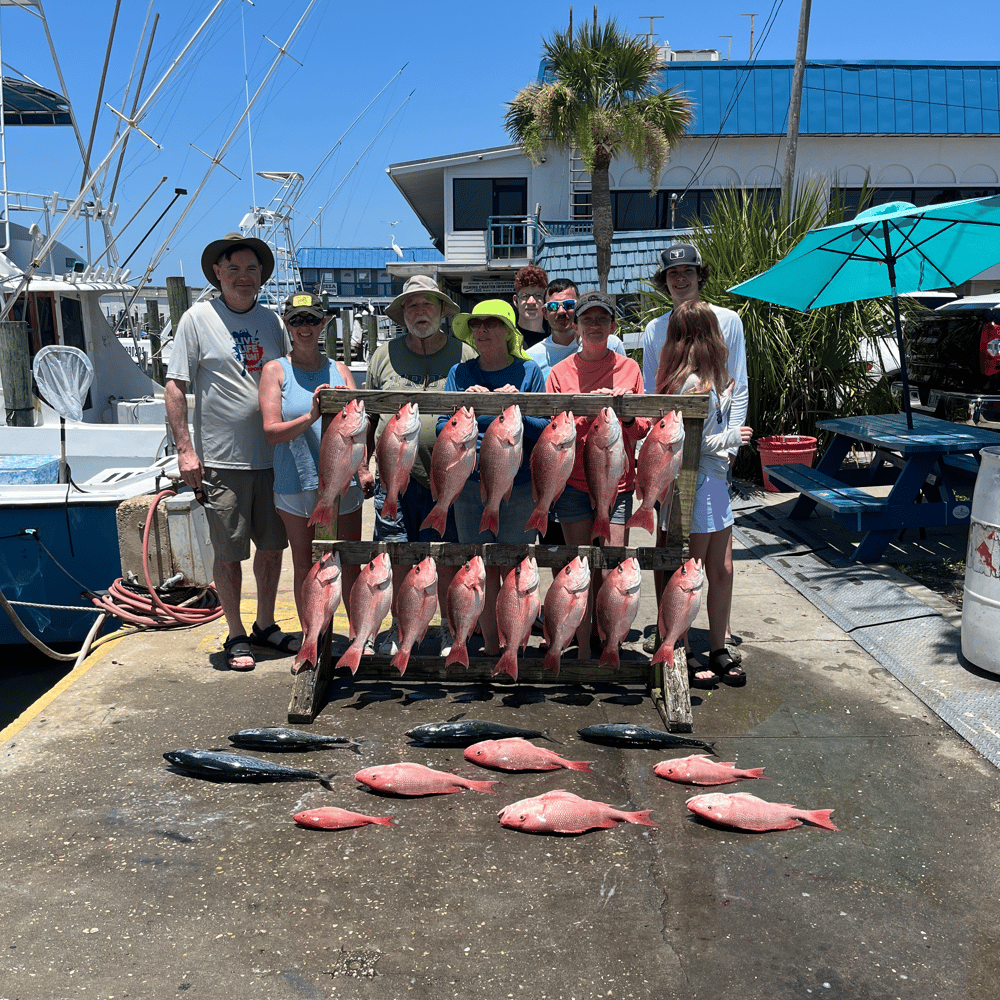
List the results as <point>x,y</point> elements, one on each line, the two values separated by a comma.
<point>564,228</point>
<point>512,237</point>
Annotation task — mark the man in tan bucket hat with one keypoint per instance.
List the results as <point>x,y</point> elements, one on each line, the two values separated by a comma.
<point>417,362</point>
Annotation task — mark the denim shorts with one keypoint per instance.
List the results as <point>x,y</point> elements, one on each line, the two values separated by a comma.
<point>414,505</point>
<point>712,510</point>
<point>574,505</point>
<point>514,514</point>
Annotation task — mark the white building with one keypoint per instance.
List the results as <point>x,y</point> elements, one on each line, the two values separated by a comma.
<point>922,132</point>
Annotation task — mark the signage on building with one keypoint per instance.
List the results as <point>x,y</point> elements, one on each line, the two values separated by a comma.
<point>487,286</point>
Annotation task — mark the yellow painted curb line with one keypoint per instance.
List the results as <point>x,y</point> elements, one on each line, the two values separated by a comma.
<point>38,706</point>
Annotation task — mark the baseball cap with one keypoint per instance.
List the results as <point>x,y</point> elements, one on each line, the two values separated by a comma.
<point>303,302</point>
<point>594,299</point>
<point>680,253</point>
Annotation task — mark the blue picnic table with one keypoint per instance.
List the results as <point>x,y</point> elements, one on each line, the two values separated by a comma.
<point>924,464</point>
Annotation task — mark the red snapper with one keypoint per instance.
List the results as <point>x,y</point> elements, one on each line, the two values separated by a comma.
<point>371,597</point>
<point>452,462</point>
<point>604,464</point>
<point>499,459</point>
<point>560,811</point>
<point>564,608</point>
<point>341,452</point>
<point>517,609</point>
<point>395,453</point>
<point>321,592</point>
<point>464,602</point>
<point>659,462</point>
<point>551,463</point>
<point>616,607</point>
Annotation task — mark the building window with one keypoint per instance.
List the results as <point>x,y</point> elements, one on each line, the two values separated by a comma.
<point>919,196</point>
<point>635,210</point>
<point>475,199</point>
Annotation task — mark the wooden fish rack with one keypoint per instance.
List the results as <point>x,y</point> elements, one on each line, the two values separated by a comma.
<point>668,689</point>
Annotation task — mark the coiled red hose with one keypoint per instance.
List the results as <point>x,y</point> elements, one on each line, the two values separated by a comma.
<point>146,608</point>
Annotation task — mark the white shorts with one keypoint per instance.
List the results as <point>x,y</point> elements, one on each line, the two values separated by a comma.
<point>303,504</point>
<point>712,509</point>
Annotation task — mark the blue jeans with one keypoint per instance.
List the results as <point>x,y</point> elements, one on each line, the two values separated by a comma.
<point>514,514</point>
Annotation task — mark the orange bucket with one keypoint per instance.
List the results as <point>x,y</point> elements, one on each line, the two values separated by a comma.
<point>785,449</point>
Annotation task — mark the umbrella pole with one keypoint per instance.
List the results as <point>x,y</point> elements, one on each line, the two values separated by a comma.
<point>891,263</point>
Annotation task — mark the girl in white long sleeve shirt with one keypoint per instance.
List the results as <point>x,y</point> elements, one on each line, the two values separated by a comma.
<point>694,360</point>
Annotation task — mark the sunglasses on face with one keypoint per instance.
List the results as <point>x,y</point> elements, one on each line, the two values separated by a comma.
<point>308,320</point>
<point>568,304</point>
<point>488,324</point>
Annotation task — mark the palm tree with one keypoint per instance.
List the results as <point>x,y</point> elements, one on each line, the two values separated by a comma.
<point>604,98</point>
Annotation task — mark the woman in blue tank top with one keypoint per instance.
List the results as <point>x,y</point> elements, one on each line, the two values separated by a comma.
<point>289,405</point>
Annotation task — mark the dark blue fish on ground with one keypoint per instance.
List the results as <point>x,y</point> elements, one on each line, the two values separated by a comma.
<point>465,732</point>
<point>275,739</point>
<point>624,734</point>
<point>217,765</point>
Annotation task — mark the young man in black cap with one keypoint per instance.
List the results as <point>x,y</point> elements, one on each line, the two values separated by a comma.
<point>682,275</point>
<point>220,348</point>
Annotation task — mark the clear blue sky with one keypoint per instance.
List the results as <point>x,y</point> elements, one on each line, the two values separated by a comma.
<point>463,62</point>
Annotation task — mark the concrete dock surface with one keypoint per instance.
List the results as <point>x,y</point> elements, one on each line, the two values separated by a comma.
<point>122,877</point>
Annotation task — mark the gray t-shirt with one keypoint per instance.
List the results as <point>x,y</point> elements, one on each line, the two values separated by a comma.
<point>220,354</point>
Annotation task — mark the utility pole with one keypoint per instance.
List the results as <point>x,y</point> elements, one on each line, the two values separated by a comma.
<point>795,106</point>
<point>752,17</point>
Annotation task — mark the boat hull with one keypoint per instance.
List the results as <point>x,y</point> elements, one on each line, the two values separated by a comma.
<point>53,547</point>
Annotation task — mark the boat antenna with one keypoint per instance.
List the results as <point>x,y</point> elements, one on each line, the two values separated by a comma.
<point>217,159</point>
<point>246,88</point>
<point>73,209</point>
<point>347,131</point>
<point>135,100</point>
<point>356,162</point>
<point>100,94</point>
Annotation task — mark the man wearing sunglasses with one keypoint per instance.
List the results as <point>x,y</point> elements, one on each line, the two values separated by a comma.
<point>220,349</point>
<point>560,305</point>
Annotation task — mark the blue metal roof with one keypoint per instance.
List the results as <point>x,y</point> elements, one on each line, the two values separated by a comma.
<point>841,98</point>
<point>362,257</point>
<point>635,257</point>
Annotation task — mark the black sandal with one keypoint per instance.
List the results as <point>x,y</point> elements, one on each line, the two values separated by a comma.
<point>237,647</point>
<point>269,637</point>
<point>726,668</point>
<point>703,683</point>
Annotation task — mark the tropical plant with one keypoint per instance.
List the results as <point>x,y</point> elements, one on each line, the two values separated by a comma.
<point>803,367</point>
<point>601,94</point>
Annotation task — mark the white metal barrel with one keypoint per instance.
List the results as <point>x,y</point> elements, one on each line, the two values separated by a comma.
<point>981,603</point>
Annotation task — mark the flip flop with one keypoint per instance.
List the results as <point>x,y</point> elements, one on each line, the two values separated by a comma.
<point>237,647</point>
<point>273,638</point>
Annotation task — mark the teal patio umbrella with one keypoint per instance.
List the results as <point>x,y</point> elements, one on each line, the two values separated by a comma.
<point>885,250</point>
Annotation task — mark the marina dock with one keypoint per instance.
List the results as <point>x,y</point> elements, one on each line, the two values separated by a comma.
<point>123,877</point>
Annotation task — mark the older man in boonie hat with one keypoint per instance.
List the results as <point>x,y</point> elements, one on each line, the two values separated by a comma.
<point>220,349</point>
<point>417,362</point>
<point>502,366</point>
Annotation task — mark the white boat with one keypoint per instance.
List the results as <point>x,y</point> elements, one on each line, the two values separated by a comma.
<point>60,538</point>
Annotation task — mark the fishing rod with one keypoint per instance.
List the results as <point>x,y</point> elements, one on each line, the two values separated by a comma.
<point>312,222</point>
<point>217,159</point>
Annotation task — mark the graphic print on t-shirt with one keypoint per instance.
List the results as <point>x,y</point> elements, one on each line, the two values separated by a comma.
<point>248,351</point>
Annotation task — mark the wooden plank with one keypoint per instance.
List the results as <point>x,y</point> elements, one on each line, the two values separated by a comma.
<point>495,554</point>
<point>572,670</point>
<point>534,404</point>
